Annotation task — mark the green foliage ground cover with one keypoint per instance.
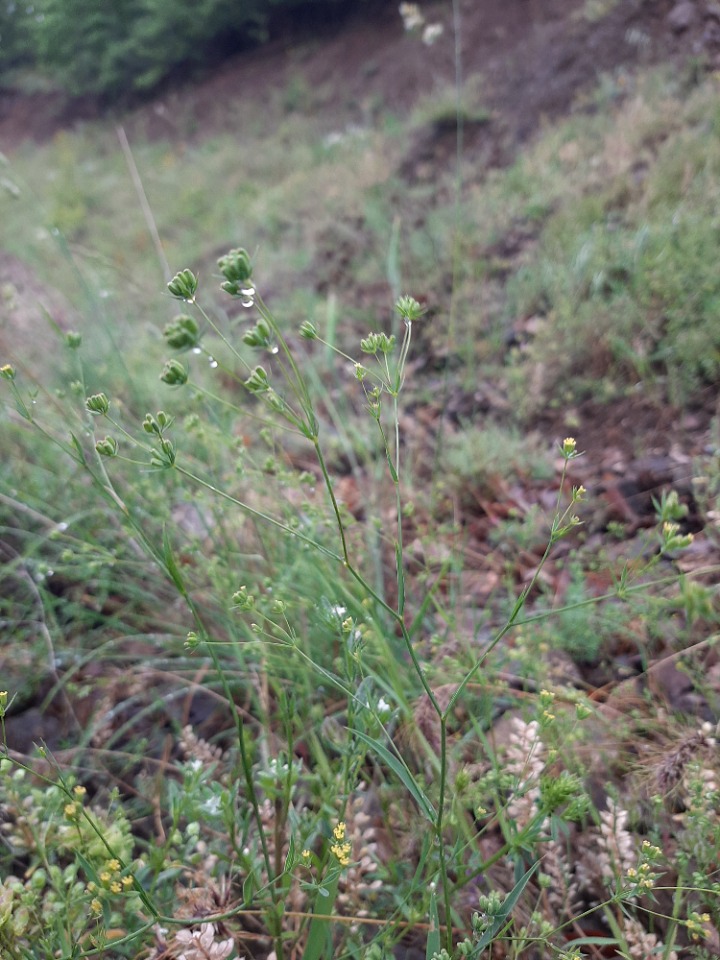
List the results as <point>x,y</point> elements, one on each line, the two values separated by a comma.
<point>165,542</point>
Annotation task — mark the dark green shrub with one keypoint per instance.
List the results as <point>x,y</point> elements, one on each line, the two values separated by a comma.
<point>131,46</point>
<point>15,34</point>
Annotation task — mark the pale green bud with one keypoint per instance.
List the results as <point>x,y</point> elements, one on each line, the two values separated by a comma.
<point>98,404</point>
<point>183,285</point>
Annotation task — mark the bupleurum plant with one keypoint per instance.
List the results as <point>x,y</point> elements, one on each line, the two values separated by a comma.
<point>341,812</point>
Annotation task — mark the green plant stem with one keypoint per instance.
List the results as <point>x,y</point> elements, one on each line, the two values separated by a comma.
<point>442,859</point>
<point>400,573</point>
<point>258,514</point>
<point>218,332</point>
<point>296,380</point>
<point>221,401</point>
<point>517,608</point>
<point>173,572</point>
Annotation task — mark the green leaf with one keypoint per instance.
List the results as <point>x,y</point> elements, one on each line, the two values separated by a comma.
<point>77,446</point>
<point>433,940</point>
<point>397,765</point>
<point>501,919</point>
<point>248,889</point>
<point>319,941</point>
<point>400,576</point>
<point>391,465</point>
<point>291,857</point>
<point>88,868</point>
<point>170,564</point>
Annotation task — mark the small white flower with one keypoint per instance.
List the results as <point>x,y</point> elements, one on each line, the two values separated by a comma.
<point>201,944</point>
<point>411,15</point>
<point>211,806</point>
<point>431,33</point>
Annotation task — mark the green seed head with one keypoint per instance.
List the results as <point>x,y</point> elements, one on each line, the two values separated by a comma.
<point>307,330</point>
<point>174,373</point>
<point>258,381</point>
<point>98,404</point>
<point>107,447</point>
<point>183,285</point>
<point>182,333</point>
<point>409,309</point>
<point>236,267</point>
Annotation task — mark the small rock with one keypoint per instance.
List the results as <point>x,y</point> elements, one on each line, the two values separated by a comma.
<point>682,16</point>
<point>712,10</point>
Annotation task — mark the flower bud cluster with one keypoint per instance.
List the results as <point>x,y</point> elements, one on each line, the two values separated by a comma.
<point>409,309</point>
<point>307,330</point>
<point>164,457</point>
<point>174,373</point>
<point>378,343</point>
<point>236,267</point>
<point>341,848</point>
<point>183,286</point>
<point>258,381</point>
<point>259,336</point>
<point>182,333</point>
<point>113,880</point>
<point>98,404</point>
<point>672,539</point>
<point>108,447</point>
<point>157,425</point>
<point>242,599</point>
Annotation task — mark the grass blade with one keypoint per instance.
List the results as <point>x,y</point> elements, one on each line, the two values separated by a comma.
<point>400,770</point>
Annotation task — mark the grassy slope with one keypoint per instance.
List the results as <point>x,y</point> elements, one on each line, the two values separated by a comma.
<point>615,213</point>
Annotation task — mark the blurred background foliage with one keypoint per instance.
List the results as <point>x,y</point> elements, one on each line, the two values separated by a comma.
<point>130,47</point>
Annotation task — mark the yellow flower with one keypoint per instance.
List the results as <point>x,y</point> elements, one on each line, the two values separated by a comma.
<point>342,852</point>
